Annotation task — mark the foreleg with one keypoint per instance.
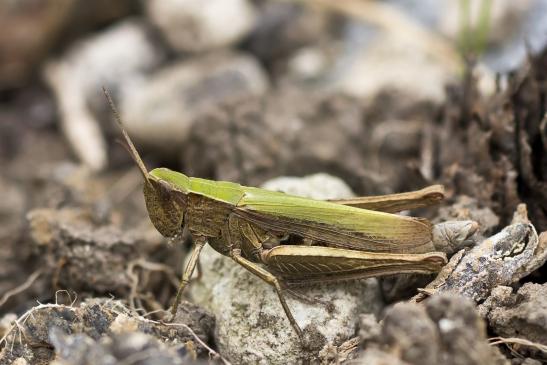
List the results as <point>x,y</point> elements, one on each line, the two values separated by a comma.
<point>198,246</point>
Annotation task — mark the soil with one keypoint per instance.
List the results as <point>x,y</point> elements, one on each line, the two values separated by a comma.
<point>86,279</point>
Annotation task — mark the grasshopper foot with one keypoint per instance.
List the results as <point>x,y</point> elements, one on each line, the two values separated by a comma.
<point>170,317</point>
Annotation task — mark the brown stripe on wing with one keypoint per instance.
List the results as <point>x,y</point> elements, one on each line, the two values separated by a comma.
<point>333,236</point>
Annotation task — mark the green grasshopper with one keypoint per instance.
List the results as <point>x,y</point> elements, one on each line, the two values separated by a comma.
<point>286,239</point>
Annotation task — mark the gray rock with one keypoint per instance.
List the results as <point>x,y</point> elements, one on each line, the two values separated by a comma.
<point>502,259</point>
<point>366,72</point>
<point>375,356</point>
<point>284,28</point>
<point>409,327</point>
<point>162,110</point>
<point>117,58</point>
<point>196,26</point>
<point>317,186</point>
<point>467,208</point>
<point>251,325</point>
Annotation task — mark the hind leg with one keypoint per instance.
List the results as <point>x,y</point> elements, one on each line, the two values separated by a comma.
<point>271,280</point>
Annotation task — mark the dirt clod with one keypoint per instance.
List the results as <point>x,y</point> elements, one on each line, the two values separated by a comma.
<point>447,330</point>
<point>68,237</point>
<point>520,314</point>
<point>93,333</point>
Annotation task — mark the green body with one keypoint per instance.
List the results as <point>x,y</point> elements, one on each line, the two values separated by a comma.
<point>298,240</point>
<point>322,222</point>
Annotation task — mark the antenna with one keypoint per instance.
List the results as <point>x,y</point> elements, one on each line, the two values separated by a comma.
<point>132,150</point>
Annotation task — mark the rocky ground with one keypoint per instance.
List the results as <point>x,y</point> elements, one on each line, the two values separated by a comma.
<point>319,99</point>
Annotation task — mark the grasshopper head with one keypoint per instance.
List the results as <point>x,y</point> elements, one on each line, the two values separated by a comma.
<point>165,206</point>
<point>165,196</point>
<point>165,201</point>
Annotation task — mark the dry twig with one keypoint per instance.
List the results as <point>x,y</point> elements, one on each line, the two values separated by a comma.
<point>150,266</point>
<point>212,353</point>
<point>21,288</point>
<point>519,341</point>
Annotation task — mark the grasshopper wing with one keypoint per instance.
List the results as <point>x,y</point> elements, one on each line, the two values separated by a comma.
<point>334,224</point>
<point>393,203</point>
<point>308,264</point>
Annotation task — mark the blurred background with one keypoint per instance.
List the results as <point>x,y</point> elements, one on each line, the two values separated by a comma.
<point>247,91</point>
<point>383,96</point>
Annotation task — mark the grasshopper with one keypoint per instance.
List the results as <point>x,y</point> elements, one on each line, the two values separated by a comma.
<point>286,239</point>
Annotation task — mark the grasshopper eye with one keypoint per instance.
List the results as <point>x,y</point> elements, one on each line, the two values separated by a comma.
<point>165,209</point>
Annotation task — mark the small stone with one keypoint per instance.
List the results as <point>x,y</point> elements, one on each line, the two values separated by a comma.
<point>79,349</point>
<point>308,63</point>
<point>376,356</point>
<point>116,58</point>
<point>530,361</point>
<point>390,62</point>
<point>197,26</point>
<point>243,304</point>
<point>408,327</point>
<point>318,186</point>
<point>20,361</point>
<point>161,112</point>
<point>467,208</point>
<point>124,323</point>
<point>369,328</point>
